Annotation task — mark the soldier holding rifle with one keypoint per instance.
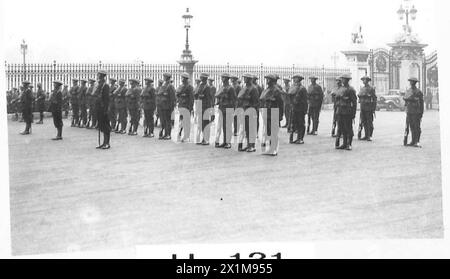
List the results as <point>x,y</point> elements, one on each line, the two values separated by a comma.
<point>414,112</point>
<point>368,104</point>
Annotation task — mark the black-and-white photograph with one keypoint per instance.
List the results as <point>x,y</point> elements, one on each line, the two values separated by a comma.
<point>208,122</point>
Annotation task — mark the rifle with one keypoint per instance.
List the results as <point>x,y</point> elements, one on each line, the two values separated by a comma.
<point>405,138</point>
<point>360,127</point>
<point>309,121</point>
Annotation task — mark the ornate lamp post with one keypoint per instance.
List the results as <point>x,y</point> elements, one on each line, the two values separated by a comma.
<point>24,49</point>
<point>405,11</point>
<point>187,60</point>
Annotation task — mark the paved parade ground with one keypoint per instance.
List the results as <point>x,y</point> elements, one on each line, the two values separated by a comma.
<point>68,196</point>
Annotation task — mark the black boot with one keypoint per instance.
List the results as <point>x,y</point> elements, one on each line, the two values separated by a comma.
<point>344,144</point>
<point>106,137</point>
<point>291,138</point>
<point>251,148</point>
<point>299,139</point>
<point>337,143</point>
<point>349,143</point>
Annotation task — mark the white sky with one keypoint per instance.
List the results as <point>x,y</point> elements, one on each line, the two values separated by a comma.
<point>280,32</point>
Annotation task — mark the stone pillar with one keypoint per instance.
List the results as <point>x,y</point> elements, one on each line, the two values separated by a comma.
<point>358,63</point>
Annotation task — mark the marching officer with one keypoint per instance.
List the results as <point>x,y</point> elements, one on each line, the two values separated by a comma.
<point>226,97</point>
<point>248,98</point>
<point>101,94</point>
<point>165,103</point>
<point>132,96</point>
<point>74,102</point>
<point>414,112</point>
<point>40,103</point>
<point>287,102</point>
<point>346,102</point>
<point>26,101</point>
<point>56,107</point>
<point>315,99</point>
<point>368,105</point>
<point>148,98</point>
<point>83,104</point>
<point>112,103</point>
<point>271,99</point>
<point>237,89</point>
<point>90,100</point>
<point>185,99</point>
<point>121,107</point>
<point>204,95</point>
<point>298,97</point>
<point>333,99</point>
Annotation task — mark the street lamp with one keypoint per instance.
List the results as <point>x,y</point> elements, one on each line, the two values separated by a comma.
<point>187,24</point>
<point>24,49</point>
<point>406,10</point>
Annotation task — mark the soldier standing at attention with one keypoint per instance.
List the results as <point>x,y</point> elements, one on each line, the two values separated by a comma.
<point>237,89</point>
<point>148,98</point>
<point>101,108</point>
<point>112,103</point>
<point>225,99</point>
<point>89,100</point>
<point>121,107</point>
<point>260,90</point>
<point>132,97</point>
<point>74,102</point>
<point>160,83</point>
<point>298,97</point>
<point>368,104</point>
<point>26,101</point>
<point>185,99</point>
<point>165,103</point>
<point>346,102</point>
<point>333,99</point>
<point>248,98</point>
<point>315,98</point>
<point>286,102</point>
<point>204,95</point>
<point>414,111</point>
<point>56,104</point>
<point>66,100</point>
<point>271,100</point>
<point>82,101</point>
<point>40,103</point>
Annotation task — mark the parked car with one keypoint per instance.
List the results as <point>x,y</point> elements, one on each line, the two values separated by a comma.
<point>393,100</point>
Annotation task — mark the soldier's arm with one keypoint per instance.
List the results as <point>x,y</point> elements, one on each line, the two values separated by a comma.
<point>172,98</point>
<point>354,102</point>
<point>421,102</point>
<point>280,106</point>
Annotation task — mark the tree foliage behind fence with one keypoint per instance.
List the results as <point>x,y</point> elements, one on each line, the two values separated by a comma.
<point>45,73</point>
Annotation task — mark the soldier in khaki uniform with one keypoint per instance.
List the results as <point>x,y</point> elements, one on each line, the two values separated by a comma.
<point>40,103</point>
<point>112,104</point>
<point>148,98</point>
<point>270,100</point>
<point>286,102</point>
<point>368,104</point>
<point>165,103</point>
<point>133,97</point>
<point>26,102</point>
<point>74,102</point>
<point>56,107</point>
<point>247,101</point>
<point>315,99</point>
<point>121,107</point>
<point>101,92</point>
<point>414,112</point>
<point>333,99</point>
<point>226,98</point>
<point>89,103</point>
<point>83,104</point>
<point>205,96</point>
<point>346,102</point>
<point>185,99</point>
<point>237,89</point>
<point>298,98</point>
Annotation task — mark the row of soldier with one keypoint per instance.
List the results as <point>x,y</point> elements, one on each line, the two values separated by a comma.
<point>294,101</point>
